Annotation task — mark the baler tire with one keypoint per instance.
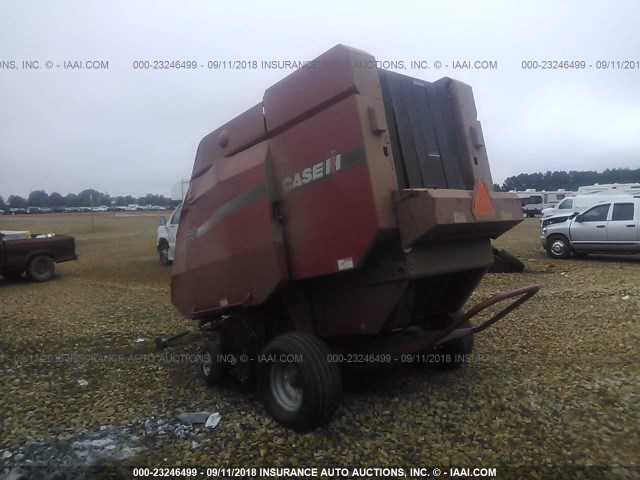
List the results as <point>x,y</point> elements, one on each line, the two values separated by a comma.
<point>452,354</point>
<point>515,263</point>
<point>163,252</point>
<point>212,370</point>
<point>319,390</point>
<point>41,268</point>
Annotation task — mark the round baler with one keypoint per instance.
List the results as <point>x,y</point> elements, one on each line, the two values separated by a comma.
<point>346,218</point>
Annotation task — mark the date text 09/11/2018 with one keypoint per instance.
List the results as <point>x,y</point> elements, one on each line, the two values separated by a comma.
<point>295,65</point>
<point>580,65</point>
<point>313,472</point>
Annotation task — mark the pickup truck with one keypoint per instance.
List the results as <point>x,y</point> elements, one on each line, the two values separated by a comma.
<point>167,236</point>
<point>36,254</point>
<point>610,227</point>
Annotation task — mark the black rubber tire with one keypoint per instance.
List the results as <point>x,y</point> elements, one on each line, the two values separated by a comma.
<point>12,275</point>
<point>319,380</point>
<point>212,368</point>
<point>558,247</point>
<point>41,268</point>
<point>163,252</point>
<point>515,264</point>
<point>503,262</point>
<point>452,354</point>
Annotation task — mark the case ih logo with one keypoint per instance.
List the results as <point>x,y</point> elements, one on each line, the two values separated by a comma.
<point>310,174</point>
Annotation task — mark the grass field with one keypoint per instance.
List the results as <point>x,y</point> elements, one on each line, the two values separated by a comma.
<point>556,383</point>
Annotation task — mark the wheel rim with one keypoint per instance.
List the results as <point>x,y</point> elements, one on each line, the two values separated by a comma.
<point>285,386</point>
<point>41,267</point>
<point>164,253</point>
<point>207,362</point>
<point>558,247</point>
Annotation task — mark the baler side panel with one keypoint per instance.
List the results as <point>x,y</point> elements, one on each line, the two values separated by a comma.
<point>323,221</point>
<point>245,130</point>
<point>229,250</point>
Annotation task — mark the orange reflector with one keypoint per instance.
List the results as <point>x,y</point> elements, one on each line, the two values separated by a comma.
<point>482,205</point>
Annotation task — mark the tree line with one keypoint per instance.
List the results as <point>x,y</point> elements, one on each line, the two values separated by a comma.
<point>570,181</point>
<point>40,198</point>
<point>548,181</point>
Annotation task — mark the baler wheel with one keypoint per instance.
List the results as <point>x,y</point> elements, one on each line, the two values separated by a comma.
<point>300,387</point>
<point>451,355</point>
<point>212,368</point>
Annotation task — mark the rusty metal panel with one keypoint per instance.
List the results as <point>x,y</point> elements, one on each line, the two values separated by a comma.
<point>444,214</point>
<point>474,162</point>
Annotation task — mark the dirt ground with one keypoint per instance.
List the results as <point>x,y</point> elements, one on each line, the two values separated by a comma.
<point>555,383</point>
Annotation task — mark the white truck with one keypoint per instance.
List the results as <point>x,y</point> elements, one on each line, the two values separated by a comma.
<point>609,227</point>
<point>580,203</point>
<point>167,231</point>
<point>167,236</point>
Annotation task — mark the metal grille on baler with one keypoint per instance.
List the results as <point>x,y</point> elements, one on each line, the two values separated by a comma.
<point>422,132</point>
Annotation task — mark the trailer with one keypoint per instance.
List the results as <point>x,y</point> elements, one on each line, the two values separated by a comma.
<point>346,218</point>
<point>609,189</point>
<point>534,202</point>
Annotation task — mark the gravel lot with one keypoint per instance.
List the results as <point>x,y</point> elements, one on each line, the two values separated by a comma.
<point>555,383</point>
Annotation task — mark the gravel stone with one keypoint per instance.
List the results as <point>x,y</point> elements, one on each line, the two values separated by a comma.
<point>554,383</point>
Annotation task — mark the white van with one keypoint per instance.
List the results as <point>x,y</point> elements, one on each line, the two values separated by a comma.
<point>579,203</point>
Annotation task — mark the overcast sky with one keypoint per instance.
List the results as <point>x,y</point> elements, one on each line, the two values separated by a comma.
<point>126,131</point>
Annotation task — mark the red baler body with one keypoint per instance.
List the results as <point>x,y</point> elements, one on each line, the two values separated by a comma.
<point>338,190</point>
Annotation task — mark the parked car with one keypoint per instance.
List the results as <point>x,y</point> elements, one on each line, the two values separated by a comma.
<point>18,211</point>
<point>611,227</point>
<point>167,236</point>
<point>36,254</point>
